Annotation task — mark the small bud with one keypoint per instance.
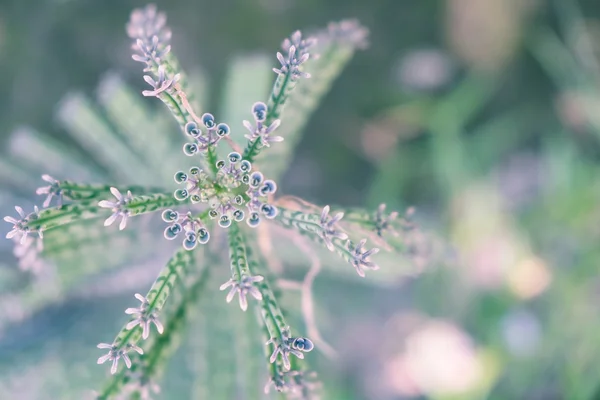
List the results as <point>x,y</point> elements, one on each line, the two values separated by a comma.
<point>203,235</point>
<point>191,128</point>
<point>269,211</point>
<point>256,179</point>
<point>208,120</point>
<point>189,149</point>
<point>245,166</point>
<point>253,220</point>
<point>169,215</point>
<point>238,215</point>
<point>259,110</point>
<point>190,241</point>
<point>303,344</point>
<point>172,231</point>
<point>195,171</point>
<point>224,221</point>
<point>234,157</point>
<point>181,194</point>
<point>180,177</point>
<point>269,187</point>
<point>222,129</point>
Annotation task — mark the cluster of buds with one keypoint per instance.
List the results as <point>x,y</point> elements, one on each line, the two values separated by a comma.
<point>151,36</point>
<point>193,229</point>
<point>259,189</point>
<point>233,172</point>
<point>233,187</point>
<point>204,140</point>
<point>198,186</point>
<point>302,45</point>
<point>297,54</point>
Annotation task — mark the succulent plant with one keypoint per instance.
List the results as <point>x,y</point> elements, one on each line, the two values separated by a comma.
<point>226,210</point>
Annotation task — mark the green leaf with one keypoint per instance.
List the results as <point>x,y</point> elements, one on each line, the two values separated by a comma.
<point>149,368</point>
<point>79,250</point>
<point>98,137</point>
<point>226,350</point>
<point>82,191</point>
<point>333,55</point>
<point>247,81</point>
<point>146,134</point>
<point>177,268</point>
<point>54,217</point>
<point>42,153</point>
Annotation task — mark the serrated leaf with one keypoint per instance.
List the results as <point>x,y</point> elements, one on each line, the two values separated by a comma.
<point>302,102</point>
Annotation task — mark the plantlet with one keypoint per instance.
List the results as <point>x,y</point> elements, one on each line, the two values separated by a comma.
<point>225,206</point>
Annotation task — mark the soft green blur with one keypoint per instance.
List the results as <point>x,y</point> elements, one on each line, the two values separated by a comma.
<point>482,114</point>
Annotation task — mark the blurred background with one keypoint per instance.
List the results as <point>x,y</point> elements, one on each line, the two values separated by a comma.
<point>483,114</point>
